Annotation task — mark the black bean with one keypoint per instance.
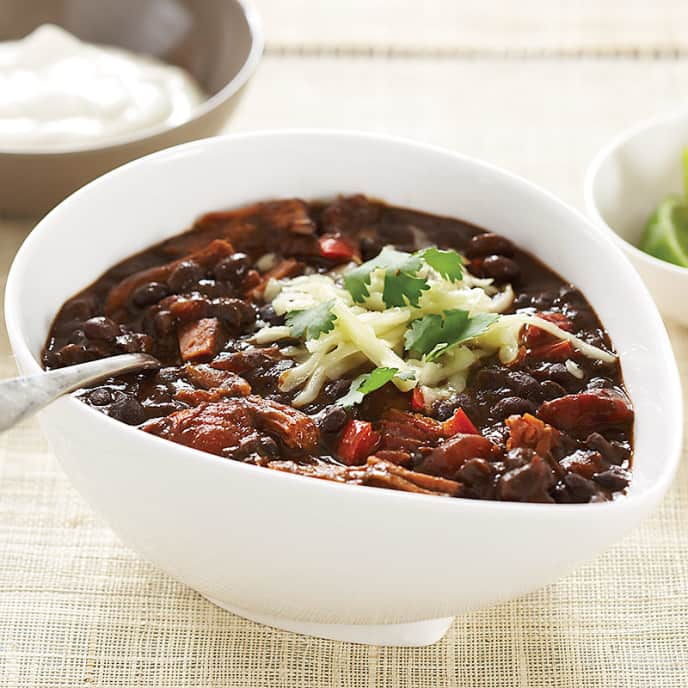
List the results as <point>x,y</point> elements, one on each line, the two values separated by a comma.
<point>128,410</point>
<point>613,479</point>
<point>149,293</point>
<point>71,354</point>
<point>529,483</point>
<point>369,247</point>
<point>163,323</point>
<point>510,406</point>
<point>444,409</point>
<point>475,471</point>
<point>268,315</point>
<point>600,383</point>
<point>332,418</point>
<point>236,313</point>
<point>102,328</point>
<point>500,269</point>
<point>167,377</point>
<point>233,269</point>
<point>581,490</point>
<point>78,336</point>
<point>543,301</point>
<point>213,289</point>
<point>559,373</point>
<point>80,309</point>
<point>612,452</point>
<point>522,300</point>
<point>582,318</point>
<point>523,385</point>
<point>488,244</point>
<point>551,390</point>
<point>570,294</point>
<point>164,408</point>
<point>492,378</point>
<point>184,276</point>
<point>100,396</point>
<point>268,447</point>
<point>134,342</point>
<point>337,388</point>
<point>51,359</point>
<point>518,457</point>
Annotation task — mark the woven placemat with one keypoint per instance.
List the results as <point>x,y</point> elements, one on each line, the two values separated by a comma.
<point>78,608</point>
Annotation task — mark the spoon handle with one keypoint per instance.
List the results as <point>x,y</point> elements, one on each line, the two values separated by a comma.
<point>21,397</point>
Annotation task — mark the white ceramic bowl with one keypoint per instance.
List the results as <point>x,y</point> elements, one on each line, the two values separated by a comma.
<point>624,184</point>
<point>338,561</point>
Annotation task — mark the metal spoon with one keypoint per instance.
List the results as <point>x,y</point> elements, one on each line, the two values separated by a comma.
<point>21,397</point>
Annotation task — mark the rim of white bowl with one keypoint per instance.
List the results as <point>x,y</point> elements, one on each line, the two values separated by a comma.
<point>257,37</point>
<point>628,502</point>
<point>590,181</point>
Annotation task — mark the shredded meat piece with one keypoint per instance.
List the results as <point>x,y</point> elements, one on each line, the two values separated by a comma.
<point>587,411</point>
<point>350,215</point>
<point>241,362</point>
<point>400,458</point>
<point>448,457</point>
<point>206,256</point>
<point>200,340</point>
<point>215,385</point>
<point>408,432</point>
<point>290,215</point>
<point>584,462</point>
<point>218,428</point>
<point>530,432</point>
<point>376,472</point>
<point>255,229</point>
<point>206,377</point>
<point>224,428</point>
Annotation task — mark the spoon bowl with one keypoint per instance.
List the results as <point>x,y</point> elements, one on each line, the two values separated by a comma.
<point>21,397</point>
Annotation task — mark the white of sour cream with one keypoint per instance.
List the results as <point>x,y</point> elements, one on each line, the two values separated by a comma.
<point>60,92</point>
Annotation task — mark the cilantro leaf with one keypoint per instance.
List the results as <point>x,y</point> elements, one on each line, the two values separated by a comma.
<point>401,283</point>
<point>401,287</point>
<point>312,322</point>
<point>447,263</point>
<point>433,335</point>
<point>367,383</point>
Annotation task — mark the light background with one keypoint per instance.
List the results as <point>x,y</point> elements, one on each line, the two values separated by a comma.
<point>535,86</point>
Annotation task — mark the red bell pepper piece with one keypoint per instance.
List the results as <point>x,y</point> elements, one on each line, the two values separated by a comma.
<point>417,400</point>
<point>358,442</point>
<point>459,423</point>
<point>335,247</point>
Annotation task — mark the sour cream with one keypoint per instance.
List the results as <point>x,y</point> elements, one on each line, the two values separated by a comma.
<point>57,91</point>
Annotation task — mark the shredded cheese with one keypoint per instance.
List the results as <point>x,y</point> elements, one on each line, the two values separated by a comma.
<point>372,333</point>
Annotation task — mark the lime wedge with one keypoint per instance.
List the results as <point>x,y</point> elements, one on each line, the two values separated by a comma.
<point>666,232</point>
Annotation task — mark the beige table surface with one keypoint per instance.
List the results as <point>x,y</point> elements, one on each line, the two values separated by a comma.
<point>533,86</point>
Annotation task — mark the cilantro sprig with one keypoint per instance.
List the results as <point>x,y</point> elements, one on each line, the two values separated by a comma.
<point>402,285</point>
<point>369,382</point>
<point>447,263</point>
<point>312,322</point>
<point>434,335</point>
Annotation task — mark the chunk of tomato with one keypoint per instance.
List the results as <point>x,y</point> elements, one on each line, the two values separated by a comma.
<point>459,423</point>
<point>357,443</point>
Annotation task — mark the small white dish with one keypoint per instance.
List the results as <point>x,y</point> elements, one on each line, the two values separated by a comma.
<point>624,184</point>
<point>338,561</point>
